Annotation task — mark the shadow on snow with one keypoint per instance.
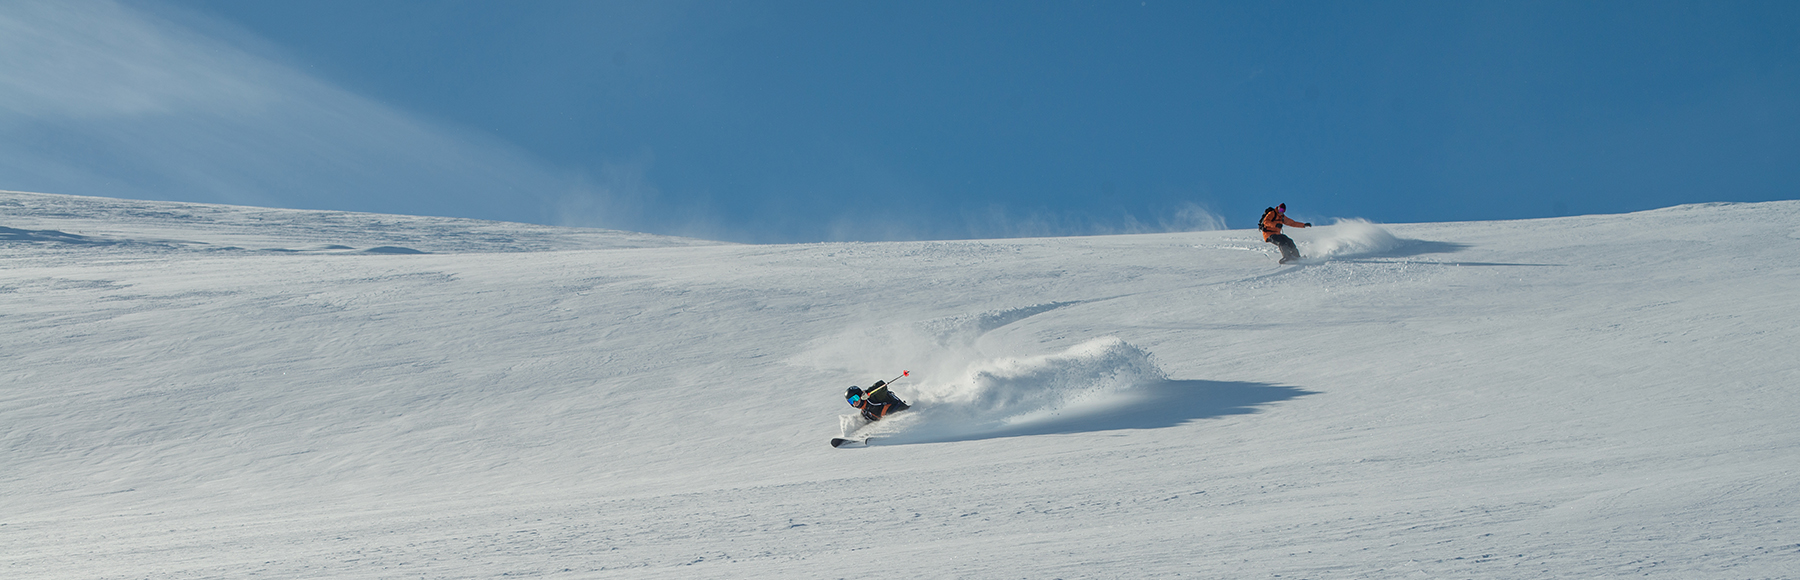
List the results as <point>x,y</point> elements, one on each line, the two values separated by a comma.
<point>1414,248</point>
<point>1156,405</point>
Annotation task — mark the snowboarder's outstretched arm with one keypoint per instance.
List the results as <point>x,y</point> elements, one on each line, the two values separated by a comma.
<point>1273,219</point>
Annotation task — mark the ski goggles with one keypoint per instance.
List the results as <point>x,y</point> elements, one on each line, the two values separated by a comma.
<point>854,399</point>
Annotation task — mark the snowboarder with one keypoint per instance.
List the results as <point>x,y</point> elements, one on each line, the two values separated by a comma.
<point>1272,220</point>
<point>875,403</point>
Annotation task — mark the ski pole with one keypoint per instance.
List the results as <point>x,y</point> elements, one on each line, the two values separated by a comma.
<point>903,374</point>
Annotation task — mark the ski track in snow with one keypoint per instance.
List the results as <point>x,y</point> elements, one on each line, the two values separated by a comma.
<point>196,391</point>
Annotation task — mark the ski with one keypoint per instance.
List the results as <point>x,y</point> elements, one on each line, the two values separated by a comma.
<point>840,441</point>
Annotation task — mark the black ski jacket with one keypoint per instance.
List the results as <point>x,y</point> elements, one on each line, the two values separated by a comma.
<point>878,401</point>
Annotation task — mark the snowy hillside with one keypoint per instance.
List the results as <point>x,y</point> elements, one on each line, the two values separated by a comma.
<point>192,391</point>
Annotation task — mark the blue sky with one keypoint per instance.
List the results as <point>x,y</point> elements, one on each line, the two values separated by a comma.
<point>821,121</point>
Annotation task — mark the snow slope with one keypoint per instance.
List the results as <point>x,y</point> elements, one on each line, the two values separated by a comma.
<point>192,391</point>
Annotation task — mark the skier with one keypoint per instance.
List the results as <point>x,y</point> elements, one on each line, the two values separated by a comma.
<point>1272,220</point>
<point>875,403</point>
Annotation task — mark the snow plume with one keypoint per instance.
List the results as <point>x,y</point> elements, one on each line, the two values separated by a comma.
<point>967,382</point>
<point>996,397</point>
<point>1348,238</point>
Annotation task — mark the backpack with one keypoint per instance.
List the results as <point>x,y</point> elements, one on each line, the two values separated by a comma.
<point>1261,222</point>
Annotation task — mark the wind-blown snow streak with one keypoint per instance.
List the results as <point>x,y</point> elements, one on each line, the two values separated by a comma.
<point>152,101</point>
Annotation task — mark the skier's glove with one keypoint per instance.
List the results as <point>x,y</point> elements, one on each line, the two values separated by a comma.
<point>1309,224</point>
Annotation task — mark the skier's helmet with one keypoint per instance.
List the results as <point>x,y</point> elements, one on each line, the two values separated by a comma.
<point>1281,208</point>
<point>853,395</point>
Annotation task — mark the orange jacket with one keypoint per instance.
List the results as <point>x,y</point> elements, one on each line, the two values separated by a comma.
<point>1272,222</point>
